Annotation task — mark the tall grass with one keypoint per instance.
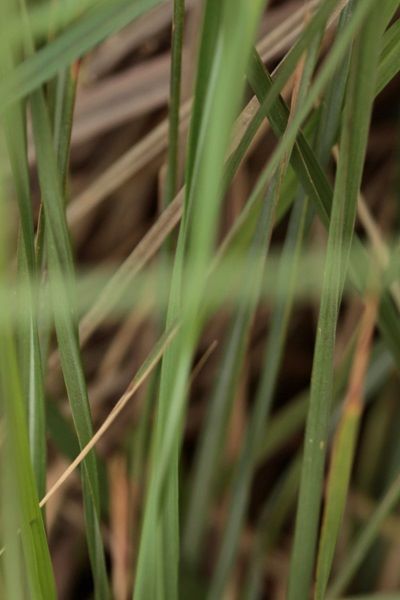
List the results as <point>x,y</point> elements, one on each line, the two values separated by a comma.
<point>270,493</point>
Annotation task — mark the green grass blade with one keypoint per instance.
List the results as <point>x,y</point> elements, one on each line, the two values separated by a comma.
<point>46,16</point>
<point>61,262</point>
<point>30,355</point>
<point>208,42</point>
<point>315,183</point>
<point>61,432</point>
<point>364,540</point>
<point>273,517</point>
<point>263,401</point>
<point>197,234</point>
<point>291,419</point>
<point>211,443</point>
<point>106,19</point>
<point>16,453</point>
<point>390,58</point>
<point>274,351</point>
<point>343,453</point>
<point>310,175</point>
<point>169,522</point>
<point>64,103</point>
<point>28,338</point>
<point>34,543</point>
<point>171,185</point>
<point>357,111</point>
<point>332,103</point>
<point>337,488</point>
<point>12,585</point>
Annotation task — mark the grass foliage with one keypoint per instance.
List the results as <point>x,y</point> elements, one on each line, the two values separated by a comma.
<point>194,523</point>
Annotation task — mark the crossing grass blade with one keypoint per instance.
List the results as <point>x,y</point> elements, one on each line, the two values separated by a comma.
<point>313,181</point>
<point>316,185</point>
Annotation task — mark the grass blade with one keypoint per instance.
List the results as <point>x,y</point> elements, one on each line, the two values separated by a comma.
<point>263,400</point>
<point>390,61</point>
<point>365,540</point>
<point>315,183</point>
<point>61,262</point>
<point>210,446</point>
<point>343,452</point>
<point>171,185</point>
<point>28,338</point>
<point>19,469</point>
<point>357,111</point>
<point>197,235</point>
<point>78,39</point>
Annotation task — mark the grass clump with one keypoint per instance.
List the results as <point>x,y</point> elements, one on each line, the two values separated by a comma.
<point>200,332</point>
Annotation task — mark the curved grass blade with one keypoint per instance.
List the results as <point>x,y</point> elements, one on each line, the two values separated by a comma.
<point>45,13</point>
<point>61,99</point>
